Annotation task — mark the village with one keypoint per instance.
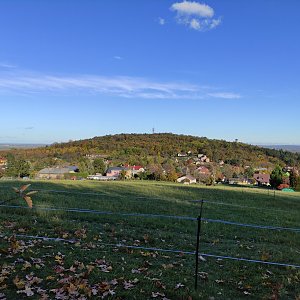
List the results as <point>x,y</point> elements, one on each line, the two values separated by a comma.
<point>197,169</point>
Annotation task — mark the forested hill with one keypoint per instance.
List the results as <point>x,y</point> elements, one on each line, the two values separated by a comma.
<point>142,148</point>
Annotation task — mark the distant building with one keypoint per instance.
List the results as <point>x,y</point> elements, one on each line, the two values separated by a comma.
<point>3,161</point>
<point>203,158</point>
<point>101,177</point>
<point>56,172</point>
<point>262,179</point>
<point>239,181</point>
<point>187,179</point>
<point>135,170</point>
<point>182,154</point>
<point>116,171</point>
<point>203,170</point>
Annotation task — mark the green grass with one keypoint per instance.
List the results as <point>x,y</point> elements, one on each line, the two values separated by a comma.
<point>156,272</point>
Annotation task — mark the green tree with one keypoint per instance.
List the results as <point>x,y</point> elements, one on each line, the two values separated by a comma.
<point>249,172</point>
<point>17,167</point>
<point>276,177</point>
<point>99,165</point>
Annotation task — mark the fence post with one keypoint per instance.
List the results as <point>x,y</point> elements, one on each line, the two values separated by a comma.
<point>198,245</point>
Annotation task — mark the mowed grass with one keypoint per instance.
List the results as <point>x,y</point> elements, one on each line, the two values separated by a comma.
<point>152,274</point>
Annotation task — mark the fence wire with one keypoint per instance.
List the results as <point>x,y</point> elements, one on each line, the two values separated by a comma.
<point>175,251</point>
<point>189,218</point>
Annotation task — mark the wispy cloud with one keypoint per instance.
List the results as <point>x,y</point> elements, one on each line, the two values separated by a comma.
<point>120,86</point>
<point>29,128</point>
<point>7,65</point>
<point>195,15</point>
<point>118,57</point>
<point>225,95</point>
<point>161,21</point>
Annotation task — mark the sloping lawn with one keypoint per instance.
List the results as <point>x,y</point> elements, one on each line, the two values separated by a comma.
<point>93,219</point>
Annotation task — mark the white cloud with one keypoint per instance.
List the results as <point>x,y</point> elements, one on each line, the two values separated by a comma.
<point>161,21</point>
<point>193,8</point>
<point>195,15</point>
<point>118,57</point>
<point>225,95</point>
<point>195,24</point>
<point>214,23</point>
<point>119,86</point>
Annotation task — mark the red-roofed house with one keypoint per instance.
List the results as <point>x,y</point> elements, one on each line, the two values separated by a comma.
<point>203,170</point>
<point>262,179</point>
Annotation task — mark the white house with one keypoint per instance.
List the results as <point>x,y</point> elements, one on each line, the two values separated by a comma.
<point>187,179</point>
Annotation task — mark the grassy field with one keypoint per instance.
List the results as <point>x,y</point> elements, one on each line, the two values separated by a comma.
<point>92,266</point>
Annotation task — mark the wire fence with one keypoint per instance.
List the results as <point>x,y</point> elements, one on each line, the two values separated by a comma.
<point>175,251</point>
<point>122,214</point>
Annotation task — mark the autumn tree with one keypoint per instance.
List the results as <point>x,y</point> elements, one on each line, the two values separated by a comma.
<point>293,179</point>
<point>123,175</point>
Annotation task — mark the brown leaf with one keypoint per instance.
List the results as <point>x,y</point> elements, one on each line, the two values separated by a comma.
<point>31,193</point>
<point>19,283</point>
<point>168,266</point>
<point>24,187</point>
<point>28,201</point>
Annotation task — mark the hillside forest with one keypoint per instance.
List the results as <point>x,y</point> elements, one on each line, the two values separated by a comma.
<point>166,156</point>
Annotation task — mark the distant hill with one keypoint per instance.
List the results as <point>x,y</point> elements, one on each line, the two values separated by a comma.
<point>19,146</point>
<point>291,148</point>
<point>160,148</point>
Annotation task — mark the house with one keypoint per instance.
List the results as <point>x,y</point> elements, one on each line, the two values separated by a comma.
<point>288,169</point>
<point>260,169</point>
<point>3,161</point>
<point>56,172</point>
<point>187,179</point>
<point>73,169</point>
<point>203,170</point>
<point>135,170</point>
<point>262,179</point>
<point>101,177</point>
<point>239,181</point>
<point>203,158</point>
<point>182,154</point>
<point>114,171</point>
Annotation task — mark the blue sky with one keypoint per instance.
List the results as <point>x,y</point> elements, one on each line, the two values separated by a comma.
<point>78,69</point>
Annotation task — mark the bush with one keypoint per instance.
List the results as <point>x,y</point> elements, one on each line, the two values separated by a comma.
<point>283,186</point>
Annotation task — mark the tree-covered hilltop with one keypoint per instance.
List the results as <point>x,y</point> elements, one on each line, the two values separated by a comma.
<point>145,149</point>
